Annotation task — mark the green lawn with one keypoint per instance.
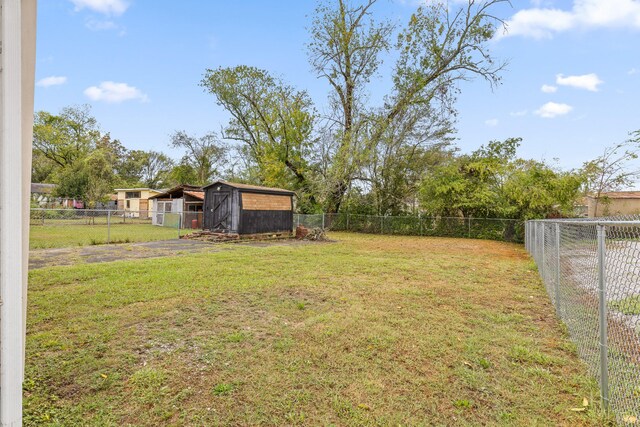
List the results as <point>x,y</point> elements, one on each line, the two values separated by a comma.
<point>77,234</point>
<point>370,330</point>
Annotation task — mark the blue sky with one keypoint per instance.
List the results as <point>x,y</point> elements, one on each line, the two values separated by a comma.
<point>571,88</point>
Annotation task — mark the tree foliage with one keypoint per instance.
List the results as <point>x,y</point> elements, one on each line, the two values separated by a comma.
<point>613,170</point>
<point>492,182</point>
<point>64,138</point>
<point>271,119</point>
<point>358,144</point>
<point>205,156</point>
<point>70,150</point>
<point>440,45</point>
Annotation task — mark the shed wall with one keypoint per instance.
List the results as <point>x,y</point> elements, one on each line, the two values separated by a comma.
<point>267,221</point>
<point>265,202</point>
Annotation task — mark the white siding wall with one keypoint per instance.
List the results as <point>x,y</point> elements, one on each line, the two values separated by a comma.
<point>17,63</point>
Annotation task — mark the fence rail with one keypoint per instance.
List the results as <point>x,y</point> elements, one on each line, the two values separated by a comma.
<point>591,271</point>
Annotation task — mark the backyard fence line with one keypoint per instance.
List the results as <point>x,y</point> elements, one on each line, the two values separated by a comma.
<point>78,227</point>
<point>73,227</point>
<point>510,230</point>
<point>591,271</point>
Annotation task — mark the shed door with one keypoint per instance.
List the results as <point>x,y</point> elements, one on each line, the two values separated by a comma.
<point>221,211</point>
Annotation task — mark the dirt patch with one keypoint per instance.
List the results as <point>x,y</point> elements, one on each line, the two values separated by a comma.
<point>42,258</point>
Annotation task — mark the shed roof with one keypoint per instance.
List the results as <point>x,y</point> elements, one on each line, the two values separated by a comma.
<point>196,194</point>
<point>180,190</point>
<point>248,187</point>
<point>617,195</point>
<point>137,189</point>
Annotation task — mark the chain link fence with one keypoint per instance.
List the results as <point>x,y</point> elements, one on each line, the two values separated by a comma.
<point>509,230</point>
<point>55,228</point>
<point>591,271</point>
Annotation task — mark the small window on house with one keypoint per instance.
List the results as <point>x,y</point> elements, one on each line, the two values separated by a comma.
<point>132,195</point>
<point>128,204</point>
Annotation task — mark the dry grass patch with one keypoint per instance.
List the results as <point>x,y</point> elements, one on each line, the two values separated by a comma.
<point>371,330</point>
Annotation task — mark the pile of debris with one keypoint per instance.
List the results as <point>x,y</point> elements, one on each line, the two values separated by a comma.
<point>314,234</point>
<point>211,236</point>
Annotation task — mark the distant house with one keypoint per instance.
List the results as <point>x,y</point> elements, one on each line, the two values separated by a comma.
<point>135,201</point>
<point>614,203</point>
<point>42,195</point>
<point>184,202</point>
<point>111,204</point>
<point>247,209</point>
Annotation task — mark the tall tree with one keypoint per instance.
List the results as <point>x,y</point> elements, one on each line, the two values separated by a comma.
<point>99,170</point>
<point>206,154</point>
<point>273,121</point>
<point>396,162</point>
<point>613,170</point>
<point>155,167</point>
<point>493,182</point>
<point>60,140</point>
<point>345,49</point>
<point>441,45</point>
<point>148,168</point>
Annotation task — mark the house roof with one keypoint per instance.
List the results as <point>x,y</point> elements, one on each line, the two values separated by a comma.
<point>249,187</point>
<point>617,195</point>
<point>136,189</point>
<point>179,190</point>
<point>42,188</point>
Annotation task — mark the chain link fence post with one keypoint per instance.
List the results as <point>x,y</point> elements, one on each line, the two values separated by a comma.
<point>602,300</point>
<point>108,227</point>
<point>534,241</point>
<point>323,214</point>
<point>542,253</point>
<point>558,275</point>
<point>469,234</point>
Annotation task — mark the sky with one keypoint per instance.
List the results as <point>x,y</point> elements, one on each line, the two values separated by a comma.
<point>571,86</point>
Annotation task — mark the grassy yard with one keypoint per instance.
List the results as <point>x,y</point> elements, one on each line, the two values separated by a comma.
<point>75,234</point>
<point>370,330</point>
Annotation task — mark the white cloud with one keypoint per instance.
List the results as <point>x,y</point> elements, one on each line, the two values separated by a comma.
<point>542,23</point>
<point>492,122</point>
<point>633,71</point>
<point>518,113</point>
<point>114,93</point>
<point>588,82</point>
<point>549,89</point>
<point>553,109</point>
<point>106,7</point>
<point>51,81</point>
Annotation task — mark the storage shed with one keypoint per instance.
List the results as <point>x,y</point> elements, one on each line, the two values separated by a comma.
<point>247,209</point>
<point>185,200</point>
